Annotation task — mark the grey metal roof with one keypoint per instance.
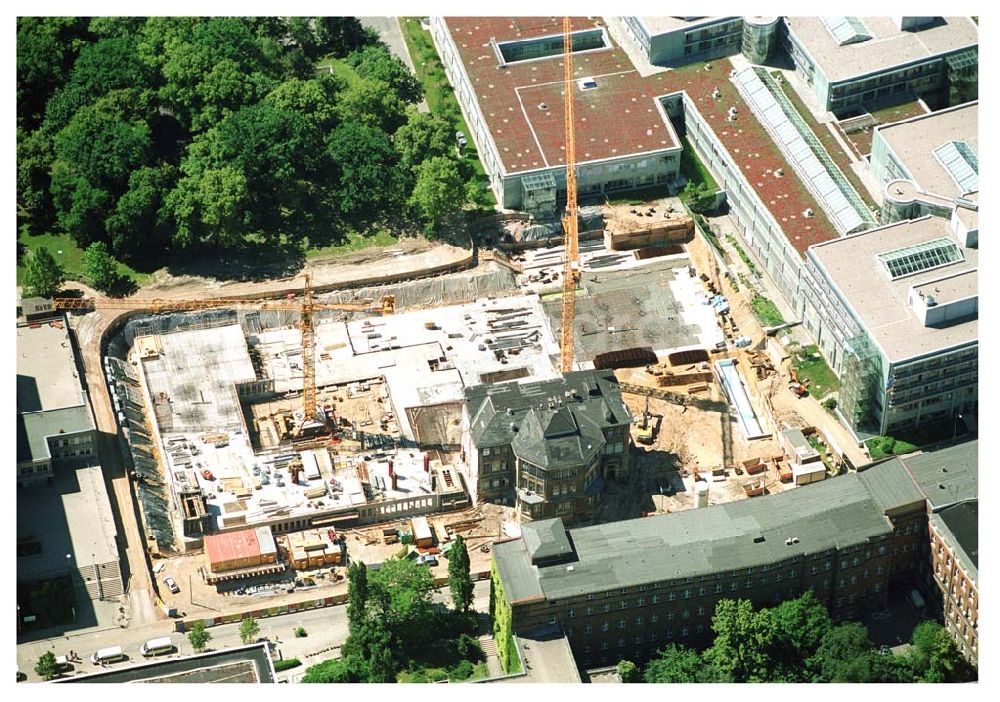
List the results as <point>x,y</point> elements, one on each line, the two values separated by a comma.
<point>890,486</point>
<point>961,523</point>
<point>546,539</point>
<point>948,475</point>
<point>551,423</point>
<point>697,542</point>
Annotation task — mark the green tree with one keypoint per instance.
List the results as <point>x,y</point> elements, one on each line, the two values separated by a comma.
<point>439,190</point>
<point>459,580</point>
<point>366,177</point>
<point>628,672</point>
<point>46,49</point>
<point>799,627</point>
<point>349,669</point>
<point>249,630</point>
<point>47,667</point>
<point>43,275</point>
<point>357,594</point>
<point>211,207</point>
<point>401,594</point>
<point>199,637</point>
<point>697,196</point>
<point>137,226</point>
<point>372,103</point>
<point>844,654</point>
<point>382,666</point>
<point>424,135</point>
<point>935,657</point>
<point>34,165</point>
<point>314,99</point>
<point>374,62</point>
<point>341,35</point>
<point>674,664</point>
<point>100,269</point>
<point>743,638</point>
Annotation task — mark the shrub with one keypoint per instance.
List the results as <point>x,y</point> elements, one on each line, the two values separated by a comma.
<point>286,664</point>
<point>468,648</point>
<point>830,403</point>
<point>462,671</point>
<point>300,632</point>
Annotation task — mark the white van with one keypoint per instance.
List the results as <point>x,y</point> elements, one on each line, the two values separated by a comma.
<point>111,654</point>
<point>155,647</point>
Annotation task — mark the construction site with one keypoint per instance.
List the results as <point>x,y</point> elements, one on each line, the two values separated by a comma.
<point>340,414</point>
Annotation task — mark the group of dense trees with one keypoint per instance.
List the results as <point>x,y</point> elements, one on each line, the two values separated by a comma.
<point>171,137</point>
<point>797,642</point>
<point>391,618</point>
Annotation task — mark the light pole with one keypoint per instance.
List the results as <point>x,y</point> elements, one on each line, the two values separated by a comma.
<point>954,431</point>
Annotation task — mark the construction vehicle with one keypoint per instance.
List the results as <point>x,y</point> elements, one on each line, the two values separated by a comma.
<point>312,416</point>
<point>571,243</point>
<point>647,428</point>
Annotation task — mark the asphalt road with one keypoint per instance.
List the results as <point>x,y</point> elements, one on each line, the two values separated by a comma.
<point>325,628</point>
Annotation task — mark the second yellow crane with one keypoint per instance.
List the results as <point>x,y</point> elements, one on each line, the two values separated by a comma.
<point>571,241</point>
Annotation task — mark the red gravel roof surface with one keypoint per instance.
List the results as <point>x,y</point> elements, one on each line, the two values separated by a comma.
<point>233,545</point>
<point>620,117</point>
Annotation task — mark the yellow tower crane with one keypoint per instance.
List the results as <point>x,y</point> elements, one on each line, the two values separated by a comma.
<point>306,309</point>
<point>571,242</point>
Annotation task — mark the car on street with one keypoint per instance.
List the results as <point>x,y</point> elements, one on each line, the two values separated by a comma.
<point>460,138</point>
<point>427,560</point>
<point>207,474</point>
<point>171,585</point>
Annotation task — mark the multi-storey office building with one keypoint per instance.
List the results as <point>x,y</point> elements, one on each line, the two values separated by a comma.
<point>895,311</point>
<point>54,423</point>
<point>669,41</point>
<point>626,589</point>
<point>930,165</point>
<point>852,62</point>
<point>546,447</point>
<point>508,77</point>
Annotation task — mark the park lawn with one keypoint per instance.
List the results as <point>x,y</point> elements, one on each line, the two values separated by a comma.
<point>693,169</point>
<point>441,660</point>
<point>340,68</point>
<point>438,92</point>
<point>71,257</point>
<point>766,311</point>
<point>355,242</point>
<point>810,366</point>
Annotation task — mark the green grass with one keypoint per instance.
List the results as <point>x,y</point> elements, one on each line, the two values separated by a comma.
<point>355,242</point>
<point>71,257</point>
<point>341,69</point>
<point>766,311</point>
<point>693,169</point>
<point>742,254</point>
<point>810,366</point>
<point>438,92</point>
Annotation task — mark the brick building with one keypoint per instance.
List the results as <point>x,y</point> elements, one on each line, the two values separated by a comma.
<point>626,589</point>
<point>546,447</point>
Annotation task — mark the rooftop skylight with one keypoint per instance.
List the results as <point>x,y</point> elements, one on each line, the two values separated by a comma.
<point>847,30</point>
<point>920,257</point>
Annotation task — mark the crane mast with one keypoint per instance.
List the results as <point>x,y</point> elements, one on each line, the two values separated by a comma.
<point>308,354</point>
<point>570,222</point>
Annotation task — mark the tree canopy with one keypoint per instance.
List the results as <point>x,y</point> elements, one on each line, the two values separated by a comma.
<point>171,138</point>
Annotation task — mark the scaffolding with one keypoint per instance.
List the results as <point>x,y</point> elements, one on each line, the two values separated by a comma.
<point>860,385</point>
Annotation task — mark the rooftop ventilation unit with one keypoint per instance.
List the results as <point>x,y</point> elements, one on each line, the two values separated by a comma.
<point>587,83</point>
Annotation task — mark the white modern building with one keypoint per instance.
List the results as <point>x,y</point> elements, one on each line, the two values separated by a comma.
<point>851,62</point>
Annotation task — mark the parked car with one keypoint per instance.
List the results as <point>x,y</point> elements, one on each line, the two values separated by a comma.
<point>427,560</point>
<point>171,585</point>
<point>460,138</point>
<point>207,474</point>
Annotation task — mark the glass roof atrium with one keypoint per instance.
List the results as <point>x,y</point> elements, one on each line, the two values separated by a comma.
<point>920,257</point>
<point>847,30</point>
<point>961,162</point>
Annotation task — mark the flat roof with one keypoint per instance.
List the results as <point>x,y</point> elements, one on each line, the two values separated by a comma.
<point>71,516</point>
<point>951,288</point>
<point>232,545</point>
<point>664,25</point>
<point>961,523</point>
<point>47,377</point>
<point>617,119</point>
<point>880,303</point>
<point>698,542</point>
<point>948,475</point>
<point>888,47</point>
<point>913,142</point>
<point>245,664</point>
<point>38,426</point>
